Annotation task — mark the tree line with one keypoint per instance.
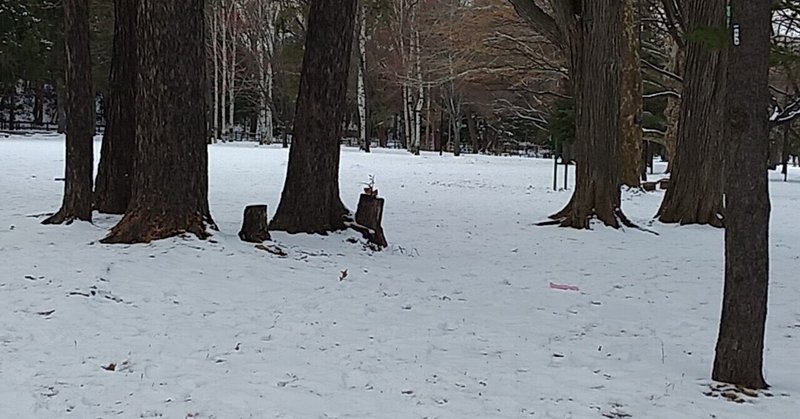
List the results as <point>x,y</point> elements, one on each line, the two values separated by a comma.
<point>154,161</point>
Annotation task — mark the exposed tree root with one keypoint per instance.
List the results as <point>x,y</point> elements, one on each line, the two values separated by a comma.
<point>620,219</point>
<point>62,217</point>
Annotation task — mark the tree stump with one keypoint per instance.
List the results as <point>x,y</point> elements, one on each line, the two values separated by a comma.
<point>369,214</point>
<point>649,186</point>
<point>255,226</point>
<point>664,183</point>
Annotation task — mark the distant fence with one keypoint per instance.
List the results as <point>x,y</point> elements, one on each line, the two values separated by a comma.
<point>27,126</point>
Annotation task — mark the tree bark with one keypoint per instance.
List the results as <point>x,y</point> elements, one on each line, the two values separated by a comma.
<point>77,202</point>
<point>215,59</point>
<point>673,110</point>
<point>223,22</point>
<point>232,82</point>
<point>170,169</point>
<point>310,200</point>
<point>369,214</point>
<point>695,193</point>
<point>631,101</point>
<point>740,346</point>
<point>785,152</point>
<point>61,106</point>
<point>595,69</point>
<point>473,132</point>
<point>38,105</point>
<point>12,106</point>
<point>362,75</point>
<point>113,184</point>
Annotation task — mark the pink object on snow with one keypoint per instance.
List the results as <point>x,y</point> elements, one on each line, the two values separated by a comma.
<point>564,287</point>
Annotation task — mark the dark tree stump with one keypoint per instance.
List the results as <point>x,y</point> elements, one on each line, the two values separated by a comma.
<point>664,183</point>
<point>369,214</point>
<point>255,226</point>
<point>649,186</point>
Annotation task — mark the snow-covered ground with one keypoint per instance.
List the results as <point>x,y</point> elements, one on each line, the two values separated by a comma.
<point>456,320</point>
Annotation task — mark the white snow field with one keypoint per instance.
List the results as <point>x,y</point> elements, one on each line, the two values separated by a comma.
<point>456,320</point>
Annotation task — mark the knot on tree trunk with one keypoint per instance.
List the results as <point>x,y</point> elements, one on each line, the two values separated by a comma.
<point>255,227</point>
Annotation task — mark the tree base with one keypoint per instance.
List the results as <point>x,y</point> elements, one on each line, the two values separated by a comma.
<point>139,227</point>
<point>255,224</point>
<point>64,217</point>
<point>310,222</point>
<point>687,216</point>
<point>731,368</point>
<point>581,219</point>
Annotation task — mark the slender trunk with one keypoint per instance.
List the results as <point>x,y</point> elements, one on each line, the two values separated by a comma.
<point>170,170</point>
<point>38,106</point>
<point>455,122</point>
<point>785,152</point>
<point>362,74</point>
<point>631,101</point>
<point>428,139</point>
<point>310,200</point>
<point>265,47</point>
<point>274,10</point>
<point>261,125</point>
<point>695,191</point>
<point>473,132</point>
<point>224,70</point>
<point>740,346</point>
<point>61,106</point>
<point>420,87</point>
<point>77,202</point>
<point>12,106</point>
<point>215,58</point>
<point>114,173</point>
<point>231,82</point>
<point>673,110</point>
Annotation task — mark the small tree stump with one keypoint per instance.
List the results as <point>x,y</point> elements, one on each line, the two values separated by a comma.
<point>663,183</point>
<point>255,226</point>
<point>369,214</point>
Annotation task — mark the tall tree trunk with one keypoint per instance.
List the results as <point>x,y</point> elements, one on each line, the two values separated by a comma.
<point>695,191</point>
<point>215,58</point>
<point>12,105</point>
<point>266,47</point>
<point>113,184</point>
<point>223,23</point>
<point>428,122</point>
<point>420,99</point>
<point>456,122</point>
<point>38,105</point>
<point>61,106</point>
<point>595,65</point>
<point>170,169</point>
<point>310,201</point>
<point>631,101</point>
<point>362,75</point>
<point>785,151</point>
<point>673,110</point>
<point>77,202</point>
<point>473,132</point>
<point>740,347</point>
<point>232,82</point>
